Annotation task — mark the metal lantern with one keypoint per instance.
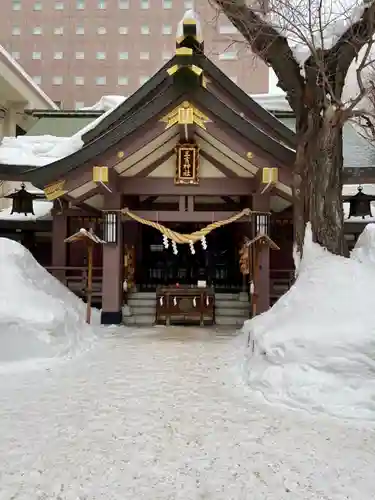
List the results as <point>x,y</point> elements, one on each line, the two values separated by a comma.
<point>360,204</point>
<point>110,223</point>
<point>22,201</point>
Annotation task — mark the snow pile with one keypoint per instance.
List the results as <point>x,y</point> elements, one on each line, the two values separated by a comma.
<point>364,250</point>
<point>106,103</point>
<point>39,317</point>
<point>315,349</point>
<point>42,150</point>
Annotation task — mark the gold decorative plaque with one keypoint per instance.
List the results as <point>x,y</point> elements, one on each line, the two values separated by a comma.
<point>187,164</point>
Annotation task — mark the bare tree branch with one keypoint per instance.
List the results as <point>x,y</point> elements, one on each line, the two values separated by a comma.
<point>269,45</point>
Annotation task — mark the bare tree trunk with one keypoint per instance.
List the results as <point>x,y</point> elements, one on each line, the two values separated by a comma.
<point>318,181</point>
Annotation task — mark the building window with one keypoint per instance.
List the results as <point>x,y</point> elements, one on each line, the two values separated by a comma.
<point>167,29</point>
<point>80,5</point>
<point>145,30</point>
<point>58,55</point>
<point>37,6</point>
<point>59,5</point>
<point>143,79</point>
<point>80,55</point>
<point>166,56</point>
<point>145,4</point>
<point>123,4</point>
<point>58,31</point>
<point>37,30</point>
<point>79,80</point>
<point>101,56</point>
<point>16,55</point>
<point>37,55</point>
<point>122,80</point>
<point>57,80</point>
<point>188,4</point>
<point>16,30</point>
<point>100,80</point>
<point>228,29</point>
<point>80,30</point>
<point>101,30</point>
<point>79,104</point>
<point>145,56</point>
<point>37,80</point>
<point>16,5</point>
<point>102,5</point>
<point>123,30</point>
<point>167,4</point>
<point>228,56</point>
<point>124,56</point>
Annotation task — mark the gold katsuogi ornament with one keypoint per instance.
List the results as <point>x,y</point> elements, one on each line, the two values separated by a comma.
<point>187,164</point>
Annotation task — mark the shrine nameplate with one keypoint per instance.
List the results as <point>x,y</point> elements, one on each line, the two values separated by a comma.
<point>187,164</point>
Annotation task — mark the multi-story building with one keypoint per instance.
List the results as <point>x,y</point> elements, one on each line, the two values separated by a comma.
<point>79,50</point>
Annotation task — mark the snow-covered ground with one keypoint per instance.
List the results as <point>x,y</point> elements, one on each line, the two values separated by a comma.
<point>162,414</point>
<point>39,317</point>
<point>315,349</point>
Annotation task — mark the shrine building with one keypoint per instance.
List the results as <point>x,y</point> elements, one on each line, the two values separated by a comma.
<point>178,180</point>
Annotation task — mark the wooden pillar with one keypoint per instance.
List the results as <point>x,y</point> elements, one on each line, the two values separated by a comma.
<point>59,247</point>
<point>112,283</point>
<point>261,203</point>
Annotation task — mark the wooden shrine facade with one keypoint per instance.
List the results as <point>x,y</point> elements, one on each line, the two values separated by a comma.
<point>188,149</point>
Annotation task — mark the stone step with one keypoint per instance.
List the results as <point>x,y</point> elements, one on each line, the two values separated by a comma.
<point>235,313</point>
<point>142,320</point>
<point>142,295</point>
<point>230,321</point>
<point>141,302</point>
<point>226,296</point>
<point>231,304</point>
<point>138,310</point>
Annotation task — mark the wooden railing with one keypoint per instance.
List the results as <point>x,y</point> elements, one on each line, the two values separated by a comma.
<point>75,278</point>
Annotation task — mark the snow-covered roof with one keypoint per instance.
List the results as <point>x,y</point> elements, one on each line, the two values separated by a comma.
<point>45,149</point>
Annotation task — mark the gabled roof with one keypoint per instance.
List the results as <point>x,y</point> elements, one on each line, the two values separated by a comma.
<point>254,112</point>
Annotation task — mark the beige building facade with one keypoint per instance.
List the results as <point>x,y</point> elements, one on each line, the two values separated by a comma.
<point>17,94</point>
<point>79,50</point>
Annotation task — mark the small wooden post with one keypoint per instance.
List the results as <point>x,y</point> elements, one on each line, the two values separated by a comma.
<point>90,248</point>
<point>254,250</point>
<point>90,239</point>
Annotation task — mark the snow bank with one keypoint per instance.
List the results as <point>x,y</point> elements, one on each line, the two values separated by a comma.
<point>315,349</point>
<point>39,317</point>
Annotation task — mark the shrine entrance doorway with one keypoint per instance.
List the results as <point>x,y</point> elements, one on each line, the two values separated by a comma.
<point>217,265</point>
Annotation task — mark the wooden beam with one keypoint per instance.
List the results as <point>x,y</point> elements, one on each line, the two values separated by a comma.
<point>157,186</point>
<point>85,196</point>
<point>177,216</point>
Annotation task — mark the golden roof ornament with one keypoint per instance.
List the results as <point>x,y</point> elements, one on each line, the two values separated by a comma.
<point>189,31</point>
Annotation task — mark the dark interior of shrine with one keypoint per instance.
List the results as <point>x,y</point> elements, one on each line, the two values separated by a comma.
<point>217,265</point>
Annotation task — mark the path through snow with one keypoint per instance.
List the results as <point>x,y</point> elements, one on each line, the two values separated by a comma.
<point>158,414</point>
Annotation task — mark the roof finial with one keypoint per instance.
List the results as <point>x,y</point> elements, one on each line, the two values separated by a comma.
<point>189,31</point>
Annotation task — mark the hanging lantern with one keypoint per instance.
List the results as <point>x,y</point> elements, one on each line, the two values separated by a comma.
<point>110,224</point>
<point>262,222</point>
<point>22,201</point>
<point>360,204</point>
